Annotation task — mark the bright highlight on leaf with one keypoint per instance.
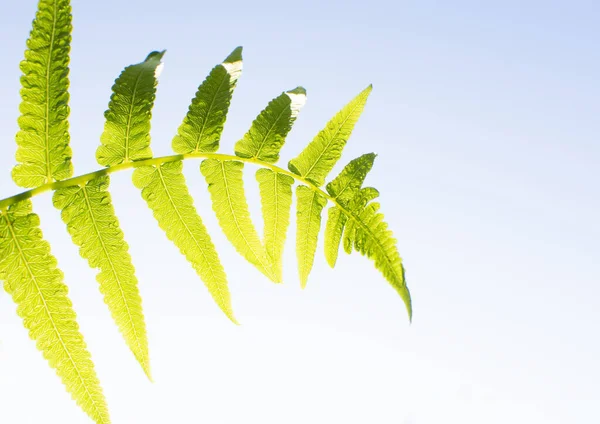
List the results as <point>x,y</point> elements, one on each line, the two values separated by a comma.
<point>43,152</point>
<point>90,217</point>
<point>28,269</point>
<point>36,286</point>
<point>126,135</point>
<point>165,191</point>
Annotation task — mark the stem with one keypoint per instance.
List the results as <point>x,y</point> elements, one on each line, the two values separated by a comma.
<point>81,179</point>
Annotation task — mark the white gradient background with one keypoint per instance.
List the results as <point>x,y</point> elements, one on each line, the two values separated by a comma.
<point>485,119</point>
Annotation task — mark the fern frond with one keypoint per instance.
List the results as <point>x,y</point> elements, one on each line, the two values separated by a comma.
<point>202,126</point>
<point>266,136</point>
<point>276,200</point>
<point>336,220</point>
<point>320,156</point>
<point>36,286</point>
<point>43,152</point>
<point>126,135</point>
<point>374,240</point>
<point>310,204</point>
<point>226,187</point>
<point>90,217</point>
<point>165,191</point>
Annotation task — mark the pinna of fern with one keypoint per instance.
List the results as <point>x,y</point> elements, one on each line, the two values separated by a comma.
<point>28,268</point>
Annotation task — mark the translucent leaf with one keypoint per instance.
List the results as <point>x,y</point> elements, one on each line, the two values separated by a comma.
<point>345,186</point>
<point>226,189</point>
<point>276,199</point>
<point>308,224</point>
<point>90,217</point>
<point>349,235</point>
<point>320,156</point>
<point>266,136</point>
<point>36,285</point>
<point>336,220</point>
<point>164,190</point>
<point>126,135</point>
<point>43,152</point>
<point>374,240</point>
<point>202,126</point>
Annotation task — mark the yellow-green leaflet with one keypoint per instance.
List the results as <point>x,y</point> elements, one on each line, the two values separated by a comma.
<point>43,152</point>
<point>349,235</point>
<point>320,156</point>
<point>126,135</point>
<point>333,234</point>
<point>226,189</point>
<point>165,191</point>
<point>310,204</point>
<point>357,204</point>
<point>276,199</point>
<point>90,217</point>
<point>345,186</point>
<point>266,136</point>
<point>202,126</point>
<point>36,285</point>
<point>374,240</point>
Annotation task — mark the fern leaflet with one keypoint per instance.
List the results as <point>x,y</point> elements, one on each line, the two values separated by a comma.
<point>43,149</point>
<point>126,135</point>
<point>36,286</point>
<point>308,220</point>
<point>202,126</point>
<point>165,191</point>
<point>266,136</point>
<point>91,221</point>
<point>320,156</point>
<point>336,220</point>
<point>276,199</point>
<point>226,187</point>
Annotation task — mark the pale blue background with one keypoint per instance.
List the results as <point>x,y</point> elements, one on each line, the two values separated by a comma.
<point>485,116</point>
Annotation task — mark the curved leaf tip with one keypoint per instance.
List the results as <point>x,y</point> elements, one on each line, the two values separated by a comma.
<point>234,56</point>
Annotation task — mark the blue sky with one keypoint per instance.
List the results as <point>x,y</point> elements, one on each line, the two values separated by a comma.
<point>484,118</point>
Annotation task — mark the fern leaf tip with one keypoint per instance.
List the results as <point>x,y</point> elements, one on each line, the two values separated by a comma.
<point>155,55</point>
<point>298,90</point>
<point>235,55</point>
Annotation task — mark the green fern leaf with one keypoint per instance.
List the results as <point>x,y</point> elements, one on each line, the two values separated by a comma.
<point>357,204</point>
<point>43,150</point>
<point>320,156</point>
<point>374,240</point>
<point>165,191</point>
<point>349,235</point>
<point>266,136</point>
<point>336,220</point>
<point>344,187</point>
<point>226,187</point>
<point>202,126</point>
<point>308,224</point>
<point>126,135</point>
<point>36,286</point>
<point>91,221</point>
<point>276,200</point>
